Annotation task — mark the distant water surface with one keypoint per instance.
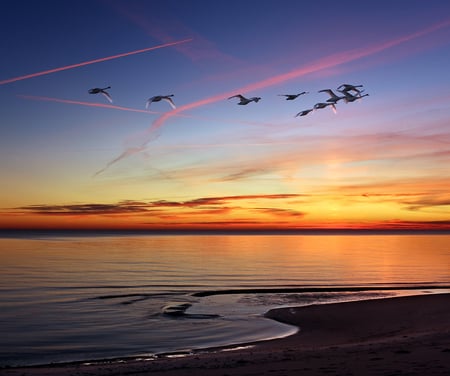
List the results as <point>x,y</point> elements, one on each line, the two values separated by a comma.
<point>71,298</point>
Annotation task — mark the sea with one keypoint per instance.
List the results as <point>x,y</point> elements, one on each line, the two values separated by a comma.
<point>100,296</point>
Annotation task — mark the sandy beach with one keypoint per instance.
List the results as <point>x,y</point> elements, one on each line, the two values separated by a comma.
<point>394,336</point>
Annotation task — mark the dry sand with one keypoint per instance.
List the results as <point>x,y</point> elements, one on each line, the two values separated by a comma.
<point>395,336</point>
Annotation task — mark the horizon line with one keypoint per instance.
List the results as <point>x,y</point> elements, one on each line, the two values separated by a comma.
<point>230,230</point>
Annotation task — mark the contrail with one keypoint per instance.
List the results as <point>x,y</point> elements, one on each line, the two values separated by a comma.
<point>324,63</point>
<point>102,105</point>
<point>14,79</point>
<point>127,152</point>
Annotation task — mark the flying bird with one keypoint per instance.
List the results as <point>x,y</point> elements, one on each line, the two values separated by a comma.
<point>103,91</point>
<point>333,97</point>
<point>320,105</point>
<point>158,98</point>
<point>344,88</point>
<point>351,98</point>
<point>244,101</point>
<point>291,97</point>
<point>304,112</point>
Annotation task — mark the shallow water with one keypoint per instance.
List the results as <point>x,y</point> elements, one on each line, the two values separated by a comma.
<point>66,298</point>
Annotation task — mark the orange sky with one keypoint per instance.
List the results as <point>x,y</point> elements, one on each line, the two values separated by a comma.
<point>70,159</point>
<point>264,212</point>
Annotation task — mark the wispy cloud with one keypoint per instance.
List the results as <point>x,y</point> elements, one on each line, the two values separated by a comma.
<point>165,28</point>
<point>438,201</point>
<point>208,205</point>
<point>127,152</point>
<point>281,212</point>
<point>87,209</point>
<point>253,211</point>
<point>94,61</point>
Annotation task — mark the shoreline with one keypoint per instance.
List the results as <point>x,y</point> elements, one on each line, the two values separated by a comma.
<point>400,335</point>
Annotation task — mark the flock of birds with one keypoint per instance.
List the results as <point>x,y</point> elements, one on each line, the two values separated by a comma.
<point>348,93</point>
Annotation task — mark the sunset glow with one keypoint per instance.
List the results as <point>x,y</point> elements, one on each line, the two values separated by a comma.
<point>72,160</point>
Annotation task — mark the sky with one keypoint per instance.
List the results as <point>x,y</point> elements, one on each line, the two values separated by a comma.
<point>71,159</point>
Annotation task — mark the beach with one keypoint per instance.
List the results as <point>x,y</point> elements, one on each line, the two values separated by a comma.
<point>392,336</point>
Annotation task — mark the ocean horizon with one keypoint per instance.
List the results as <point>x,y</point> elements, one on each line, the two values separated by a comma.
<point>85,295</point>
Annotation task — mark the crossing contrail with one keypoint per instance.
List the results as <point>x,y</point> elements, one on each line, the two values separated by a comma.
<point>54,70</point>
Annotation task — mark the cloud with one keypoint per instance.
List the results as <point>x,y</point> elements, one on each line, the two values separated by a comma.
<point>129,151</point>
<point>398,224</point>
<point>281,212</point>
<point>166,28</point>
<point>207,205</point>
<point>243,211</point>
<point>426,202</point>
<point>124,207</point>
<point>244,173</point>
<point>209,202</point>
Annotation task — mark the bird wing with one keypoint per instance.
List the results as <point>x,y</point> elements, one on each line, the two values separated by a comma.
<point>170,101</point>
<point>304,112</point>
<point>328,91</point>
<point>289,96</point>
<point>107,96</point>
<point>241,97</point>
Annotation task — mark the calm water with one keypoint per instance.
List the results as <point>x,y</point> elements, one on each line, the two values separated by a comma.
<point>66,298</point>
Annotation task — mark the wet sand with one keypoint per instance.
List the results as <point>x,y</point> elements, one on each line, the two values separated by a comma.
<point>394,336</point>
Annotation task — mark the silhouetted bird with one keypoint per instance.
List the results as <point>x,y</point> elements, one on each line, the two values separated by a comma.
<point>291,97</point>
<point>97,90</point>
<point>347,87</point>
<point>320,105</point>
<point>333,97</point>
<point>304,112</point>
<point>243,100</point>
<point>351,98</point>
<point>158,98</point>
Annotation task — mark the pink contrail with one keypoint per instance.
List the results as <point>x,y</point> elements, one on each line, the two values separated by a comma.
<point>324,63</point>
<point>9,80</point>
<point>102,105</point>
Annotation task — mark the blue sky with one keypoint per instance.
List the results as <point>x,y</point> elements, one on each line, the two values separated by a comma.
<point>64,150</point>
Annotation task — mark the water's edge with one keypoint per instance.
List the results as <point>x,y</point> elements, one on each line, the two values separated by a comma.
<point>180,311</point>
